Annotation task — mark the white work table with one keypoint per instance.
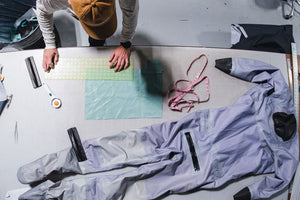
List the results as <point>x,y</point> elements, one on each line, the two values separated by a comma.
<point>43,129</point>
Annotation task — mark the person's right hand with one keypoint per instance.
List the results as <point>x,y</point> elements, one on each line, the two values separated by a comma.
<point>50,59</point>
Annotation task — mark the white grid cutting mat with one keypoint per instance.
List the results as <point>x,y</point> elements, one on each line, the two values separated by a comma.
<point>88,69</point>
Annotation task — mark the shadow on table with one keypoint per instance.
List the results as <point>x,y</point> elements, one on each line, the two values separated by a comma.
<point>268,4</point>
<point>154,84</point>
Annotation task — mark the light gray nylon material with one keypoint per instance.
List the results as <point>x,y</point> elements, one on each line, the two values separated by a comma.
<point>230,142</point>
<point>3,95</point>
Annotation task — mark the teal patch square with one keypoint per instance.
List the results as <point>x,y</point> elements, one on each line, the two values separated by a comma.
<point>139,98</point>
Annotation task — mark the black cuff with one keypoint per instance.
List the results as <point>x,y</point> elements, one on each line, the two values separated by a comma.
<point>244,194</point>
<point>126,45</point>
<point>2,105</point>
<point>224,65</point>
<point>96,43</point>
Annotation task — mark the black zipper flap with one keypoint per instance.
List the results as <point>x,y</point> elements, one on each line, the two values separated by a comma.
<point>192,151</point>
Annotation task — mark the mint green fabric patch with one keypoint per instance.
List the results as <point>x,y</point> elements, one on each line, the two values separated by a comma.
<point>139,98</point>
<point>88,69</point>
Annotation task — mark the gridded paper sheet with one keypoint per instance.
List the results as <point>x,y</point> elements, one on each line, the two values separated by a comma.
<point>88,69</point>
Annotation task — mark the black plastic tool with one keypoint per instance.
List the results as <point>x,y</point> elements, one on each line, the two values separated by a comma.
<point>33,73</point>
<point>76,144</point>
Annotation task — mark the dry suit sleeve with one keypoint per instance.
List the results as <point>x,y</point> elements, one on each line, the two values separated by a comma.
<point>285,166</point>
<point>130,10</point>
<point>247,69</point>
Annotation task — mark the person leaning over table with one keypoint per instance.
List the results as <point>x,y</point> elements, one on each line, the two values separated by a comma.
<point>98,18</point>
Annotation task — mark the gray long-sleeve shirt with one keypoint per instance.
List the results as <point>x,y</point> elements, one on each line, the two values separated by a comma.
<point>46,8</point>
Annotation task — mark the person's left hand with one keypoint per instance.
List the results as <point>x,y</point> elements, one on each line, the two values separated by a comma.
<point>119,59</point>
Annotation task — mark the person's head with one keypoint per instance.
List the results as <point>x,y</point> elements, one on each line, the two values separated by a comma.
<point>97,17</point>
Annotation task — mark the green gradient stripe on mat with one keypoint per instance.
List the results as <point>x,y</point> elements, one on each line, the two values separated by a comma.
<point>88,69</point>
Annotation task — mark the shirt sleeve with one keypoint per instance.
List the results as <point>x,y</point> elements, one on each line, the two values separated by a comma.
<point>44,12</point>
<point>130,9</point>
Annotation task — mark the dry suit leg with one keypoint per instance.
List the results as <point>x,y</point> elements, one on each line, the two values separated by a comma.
<point>130,148</point>
<point>103,185</point>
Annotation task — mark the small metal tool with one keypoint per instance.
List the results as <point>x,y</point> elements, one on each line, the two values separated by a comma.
<point>16,134</point>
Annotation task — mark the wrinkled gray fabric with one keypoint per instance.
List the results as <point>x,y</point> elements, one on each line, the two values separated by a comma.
<point>230,142</point>
<point>3,97</point>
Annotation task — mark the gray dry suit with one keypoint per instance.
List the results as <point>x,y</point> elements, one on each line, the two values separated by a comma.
<point>205,149</point>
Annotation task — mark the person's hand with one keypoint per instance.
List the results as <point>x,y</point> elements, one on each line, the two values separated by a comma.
<point>50,59</point>
<point>119,59</point>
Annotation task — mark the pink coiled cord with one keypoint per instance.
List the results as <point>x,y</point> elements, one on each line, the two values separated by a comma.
<point>175,101</point>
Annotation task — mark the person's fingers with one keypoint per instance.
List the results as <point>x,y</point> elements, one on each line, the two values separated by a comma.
<point>126,63</point>
<point>119,59</point>
<point>51,65</point>
<point>111,56</point>
<point>56,58</point>
<point>48,65</point>
<point>121,66</point>
<point>117,67</point>
<point>113,62</point>
<point>45,65</point>
<point>50,58</point>
<point>49,61</point>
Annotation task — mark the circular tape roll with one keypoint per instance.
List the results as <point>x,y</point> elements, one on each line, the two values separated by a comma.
<point>56,102</point>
